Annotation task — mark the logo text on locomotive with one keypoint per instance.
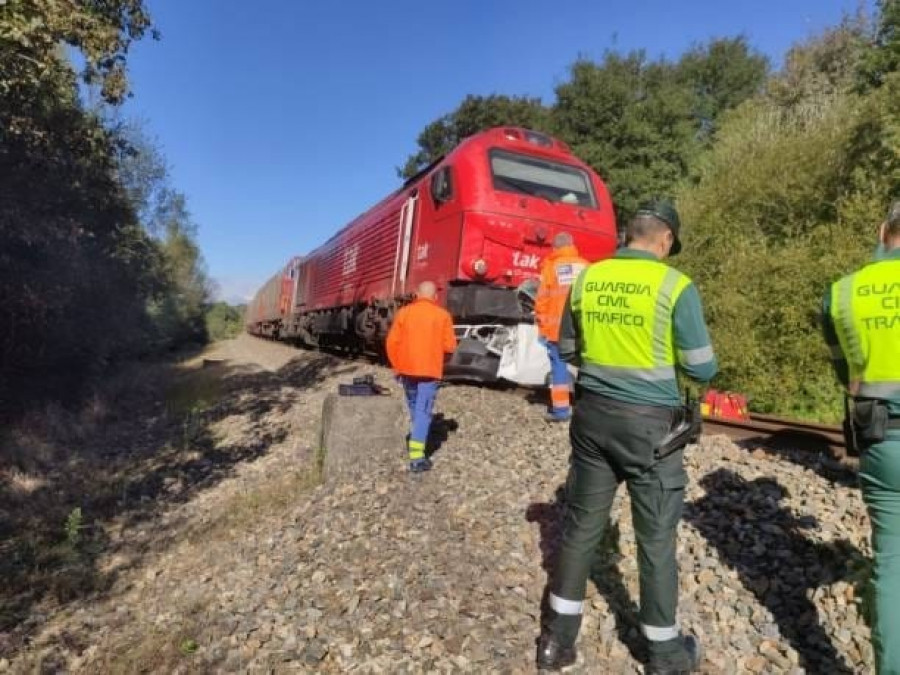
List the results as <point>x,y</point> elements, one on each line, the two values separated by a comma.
<point>350,255</point>
<point>528,261</point>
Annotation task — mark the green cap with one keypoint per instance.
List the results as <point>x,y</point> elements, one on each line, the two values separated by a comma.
<point>664,210</point>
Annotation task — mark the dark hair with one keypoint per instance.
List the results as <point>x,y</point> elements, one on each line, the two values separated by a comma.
<point>644,225</point>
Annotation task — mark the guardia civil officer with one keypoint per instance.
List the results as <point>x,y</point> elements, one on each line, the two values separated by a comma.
<point>420,335</point>
<point>862,327</point>
<point>629,323</point>
<point>559,271</point>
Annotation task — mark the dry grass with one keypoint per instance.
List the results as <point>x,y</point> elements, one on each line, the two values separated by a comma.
<point>57,459</point>
<point>248,508</point>
<point>21,483</point>
<point>194,390</point>
<point>156,650</point>
<point>146,443</point>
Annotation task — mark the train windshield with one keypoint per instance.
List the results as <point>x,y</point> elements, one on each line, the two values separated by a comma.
<point>553,181</point>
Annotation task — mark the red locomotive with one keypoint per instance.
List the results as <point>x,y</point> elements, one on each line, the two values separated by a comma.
<point>477,222</point>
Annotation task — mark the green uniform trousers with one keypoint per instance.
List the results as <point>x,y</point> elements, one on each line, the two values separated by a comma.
<point>614,442</point>
<point>879,475</point>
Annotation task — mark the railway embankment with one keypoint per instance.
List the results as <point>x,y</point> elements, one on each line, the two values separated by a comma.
<point>233,555</point>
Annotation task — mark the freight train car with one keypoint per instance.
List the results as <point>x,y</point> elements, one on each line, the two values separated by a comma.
<point>478,222</point>
<point>266,312</point>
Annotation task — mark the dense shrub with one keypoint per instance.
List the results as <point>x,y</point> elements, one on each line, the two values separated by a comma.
<point>788,201</point>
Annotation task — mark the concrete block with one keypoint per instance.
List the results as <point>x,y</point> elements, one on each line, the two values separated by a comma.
<point>361,432</point>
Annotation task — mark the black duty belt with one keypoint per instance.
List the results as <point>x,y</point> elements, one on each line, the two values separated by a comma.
<point>631,409</point>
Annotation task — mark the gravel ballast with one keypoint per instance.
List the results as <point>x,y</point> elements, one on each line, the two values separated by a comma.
<point>444,572</point>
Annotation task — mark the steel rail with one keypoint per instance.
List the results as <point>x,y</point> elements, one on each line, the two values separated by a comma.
<point>778,432</point>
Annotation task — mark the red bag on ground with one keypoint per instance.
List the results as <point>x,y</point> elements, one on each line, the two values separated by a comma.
<point>725,404</point>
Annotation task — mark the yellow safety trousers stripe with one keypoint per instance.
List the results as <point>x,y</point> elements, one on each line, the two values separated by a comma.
<point>416,449</point>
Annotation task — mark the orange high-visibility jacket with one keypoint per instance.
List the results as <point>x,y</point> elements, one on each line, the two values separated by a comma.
<point>558,273</point>
<point>421,334</point>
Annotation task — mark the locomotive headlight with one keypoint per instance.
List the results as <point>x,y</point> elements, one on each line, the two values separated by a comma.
<point>480,267</point>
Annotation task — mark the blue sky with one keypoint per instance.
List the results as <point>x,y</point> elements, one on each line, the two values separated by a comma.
<point>283,119</point>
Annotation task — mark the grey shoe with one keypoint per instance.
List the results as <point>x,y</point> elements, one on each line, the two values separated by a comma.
<point>685,660</point>
<point>420,465</point>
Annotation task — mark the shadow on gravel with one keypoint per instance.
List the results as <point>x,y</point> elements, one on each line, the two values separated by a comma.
<point>610,583</point>
<point>549,518</point>
<point>605,573</point>
<point>63,483</point>
<point>538,397</point>
<point>439,433</point>
<point>785,448</point>
<point>764,543</point>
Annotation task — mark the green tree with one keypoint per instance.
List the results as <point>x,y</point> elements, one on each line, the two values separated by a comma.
<point>721,75</point>
<point>224,321</point>
<point>632,121</point>
<point>179,304</point>
<point>821,66</point>
<point>179,311</point>
<point>77,268</point>
<point>474,114</point>
<point>883,58</point>
<point>102,30</point>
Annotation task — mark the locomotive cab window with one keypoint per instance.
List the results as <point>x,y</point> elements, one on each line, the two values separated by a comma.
<point>442,186</point>
<point>538,177</point>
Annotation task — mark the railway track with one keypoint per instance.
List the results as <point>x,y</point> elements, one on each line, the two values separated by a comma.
<point>767,431</point>
<point>780,433</point>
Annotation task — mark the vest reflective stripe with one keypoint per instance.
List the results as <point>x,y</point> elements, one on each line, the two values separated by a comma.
<point>624,307</point>
<point>865,308</point>
<point>656,374</point>
<point>662,325</point>
<point>888,390</point>
<point>842,303</point>
<point>693,357</point>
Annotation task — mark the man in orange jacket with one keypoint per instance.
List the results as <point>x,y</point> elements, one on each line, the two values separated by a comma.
<point>420,336</point>
<point>558,273</point>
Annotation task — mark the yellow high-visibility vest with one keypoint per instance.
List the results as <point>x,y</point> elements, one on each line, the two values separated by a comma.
<point>625,306</point>
<point>865,309</point>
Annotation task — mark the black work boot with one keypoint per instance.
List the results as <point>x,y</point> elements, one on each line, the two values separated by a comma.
<point>551,655</point>
<point>681,661</point>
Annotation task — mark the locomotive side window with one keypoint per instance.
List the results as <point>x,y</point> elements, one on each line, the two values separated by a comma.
<point>553,181</point>
<point>442,186</point>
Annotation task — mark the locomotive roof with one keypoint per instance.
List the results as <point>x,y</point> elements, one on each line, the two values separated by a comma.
<point>536,140</point>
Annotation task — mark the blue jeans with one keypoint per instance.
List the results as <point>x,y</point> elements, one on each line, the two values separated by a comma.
<point>420,394</point>
<point>560,381</point>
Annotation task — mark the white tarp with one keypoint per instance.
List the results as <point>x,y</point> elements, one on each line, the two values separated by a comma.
<point>524,360</point>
